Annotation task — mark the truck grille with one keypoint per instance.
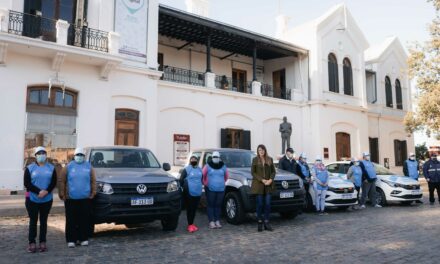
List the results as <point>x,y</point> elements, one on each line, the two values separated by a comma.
<point>293,184</point>
<point>152,188</point>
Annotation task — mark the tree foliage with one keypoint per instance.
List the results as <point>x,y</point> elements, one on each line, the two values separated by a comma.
<point>424,66</point>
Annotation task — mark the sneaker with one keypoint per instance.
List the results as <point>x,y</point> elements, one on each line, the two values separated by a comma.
<point>217,224</point>
<point>321,213</point>
<point>32,248</point>
<point>212,225</point>
<point>85,243</point>
<point>362,206</point>
<point>267,226</point>
<point>378,206</point>
<point>260,226</point>
<point>195,228</point>
<point>324,213</point>
<point>43,247</point>
<point>191,228</point>
<point>70,245</point>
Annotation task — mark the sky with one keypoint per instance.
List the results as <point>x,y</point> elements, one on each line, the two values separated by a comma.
<point>378,19</point>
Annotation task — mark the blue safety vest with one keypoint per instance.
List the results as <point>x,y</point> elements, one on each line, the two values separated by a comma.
<point>357,175</point>
<point>194,180</point>
<point>371,171</point>
<point>322,176</point>
<point>78,180</point>
<point>413,171</point>
<point>216,179</point>
<point>305,171</point>
<point>41,176</point>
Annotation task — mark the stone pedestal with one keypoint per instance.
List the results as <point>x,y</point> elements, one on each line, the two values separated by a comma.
<point>62,29</point>
<point>210,79</point>
<point>256,88</point>
<point>113,42</point>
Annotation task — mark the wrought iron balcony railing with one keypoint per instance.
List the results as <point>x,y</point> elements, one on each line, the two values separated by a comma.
<point>179,75</point>
<point>32,26</point>
<point>88,38</point>
<point>227,83</point>
<point>280,93</point>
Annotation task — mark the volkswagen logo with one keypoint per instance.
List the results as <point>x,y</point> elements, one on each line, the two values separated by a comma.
<point>345,191</point>
<point>285,184</point>
<point>141,188</point>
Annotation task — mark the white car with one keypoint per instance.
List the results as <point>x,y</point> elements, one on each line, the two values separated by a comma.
<point>340,194</point>
<point>390,187</point>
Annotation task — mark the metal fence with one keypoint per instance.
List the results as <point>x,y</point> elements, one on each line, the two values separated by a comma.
<point>179,75</point>
<point>227,83</point>
<point>280,93</point>
<point>88,38</point>
<point>32,26</point>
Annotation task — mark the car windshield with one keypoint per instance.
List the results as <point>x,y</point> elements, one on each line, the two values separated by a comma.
<point>123,158</point>
<point>236,159</point>
<point>381,170</point>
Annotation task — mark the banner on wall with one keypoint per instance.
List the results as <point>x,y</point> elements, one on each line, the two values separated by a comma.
<point>181,149</point>
<point>131,24</point>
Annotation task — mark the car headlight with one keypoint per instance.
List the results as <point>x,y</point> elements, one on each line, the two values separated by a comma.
<point>172,186</point>
<point>394,184</point>
<point>105,188</point>
<point>301,183</point>
<point>248,182</point>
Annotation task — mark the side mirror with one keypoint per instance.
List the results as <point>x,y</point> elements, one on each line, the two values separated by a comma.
<point>166,166</point>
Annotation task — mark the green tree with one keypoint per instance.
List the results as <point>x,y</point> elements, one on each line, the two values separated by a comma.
<point>424,66</point>
<point>421,151</point>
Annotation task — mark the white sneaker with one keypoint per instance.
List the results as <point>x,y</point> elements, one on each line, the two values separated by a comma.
<point>70,245</point>
<point>85,243</point>
<point>378,206</point>
<point>217,224</point>
<point>212,225</point>
<point>362,206</point>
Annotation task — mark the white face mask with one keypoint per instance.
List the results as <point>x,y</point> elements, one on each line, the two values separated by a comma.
<point>412,158</point>
<point>356,163</point>
<point>216,160</point>
<point>367,157</point>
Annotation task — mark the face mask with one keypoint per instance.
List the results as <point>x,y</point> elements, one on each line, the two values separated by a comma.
<point>356,163</point>
<point>412,158</point>
<point>216,160</point>
<point>434,158</point>
<point>79,159</point>
<point>41,158</point>
<point>367,158</point>
<point>289,155</point>
<point>193,163</point>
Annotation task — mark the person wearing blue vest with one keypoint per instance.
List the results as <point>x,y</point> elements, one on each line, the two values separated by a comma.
<point>369,178</point>
<point>76,188</point>
<point>40,178</point>
<point>411,169</point>
<point>320,184</point>
<point>303,170</point>
<point>354,174</point>
<point>215,175</point>
<point>431,170</point>
<point>191,180</point>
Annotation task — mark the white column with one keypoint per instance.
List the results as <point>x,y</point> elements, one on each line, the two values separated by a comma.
<point>113,42</point>
<point>256,88</point>
<point>62,29</point>
<point>153,33</point>
<point>210,79</point>
<point>4,20</point>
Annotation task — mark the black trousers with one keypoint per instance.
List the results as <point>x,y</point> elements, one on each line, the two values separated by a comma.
<point>358,189</point>
<point>433,186</point>
<point>34,210</point>
<point>78,217</point>
<point>191,204</point>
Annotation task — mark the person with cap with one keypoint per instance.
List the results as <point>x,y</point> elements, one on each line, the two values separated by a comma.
<point>287,162</point>
<point>320,184</point>
<point>40,179</point>
<point>303,170</point>
<point>354,174</point>
<point>411,167</point>
<point>431,170</point>
<point>263,185</point>
<point>77,186</point>
<point>215,175</point>
<point>369,178</point>
<point>191,180</point>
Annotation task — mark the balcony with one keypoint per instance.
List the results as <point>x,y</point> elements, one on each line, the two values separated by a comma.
<point>47,29</point>
<point>174,74</point>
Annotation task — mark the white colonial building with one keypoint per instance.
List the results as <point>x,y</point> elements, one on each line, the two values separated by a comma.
<point>80,73</point>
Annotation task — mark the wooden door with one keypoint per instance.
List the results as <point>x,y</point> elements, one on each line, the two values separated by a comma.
<point>343,148</point>
<point>127,127</point>
<point>279,84</point>
<point>374,149</point>
<point>239,80</point>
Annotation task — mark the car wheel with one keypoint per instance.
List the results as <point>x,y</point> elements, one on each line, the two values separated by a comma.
<point>233,208</point>
<point>289,214</point>
<point>170,223</point>
<point>380,197</point>
<point>309,203</point>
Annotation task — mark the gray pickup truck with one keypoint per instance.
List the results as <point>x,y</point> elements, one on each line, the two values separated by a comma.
<point>288,200</point>
<point>133,188</point>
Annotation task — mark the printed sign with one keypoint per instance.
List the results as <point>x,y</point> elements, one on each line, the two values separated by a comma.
<point>181,149</point>
<point>131,24</point>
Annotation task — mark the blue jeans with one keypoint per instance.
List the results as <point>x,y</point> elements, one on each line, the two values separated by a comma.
<point>263,201</point>
<point>215,200</point>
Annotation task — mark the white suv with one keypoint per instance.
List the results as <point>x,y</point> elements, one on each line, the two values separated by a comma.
<point>390,187</point>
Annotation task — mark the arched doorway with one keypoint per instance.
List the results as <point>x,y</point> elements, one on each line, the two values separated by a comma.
<point>126,127</point>
<point>343,147</point>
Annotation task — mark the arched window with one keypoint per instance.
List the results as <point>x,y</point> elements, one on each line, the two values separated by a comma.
<point>388,92</point>
<point>399,102</point>
<point>348,77</point>
<point>333,81</point>
<point>39,96</point>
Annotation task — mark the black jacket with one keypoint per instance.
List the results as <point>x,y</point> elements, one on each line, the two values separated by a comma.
<point>287,165</point>
<point>431,170</point>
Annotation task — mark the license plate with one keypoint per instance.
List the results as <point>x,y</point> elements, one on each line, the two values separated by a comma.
<point>142,201</point>
<point>346,196</point>
<point>286,195</point>
<point>415,192</point>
